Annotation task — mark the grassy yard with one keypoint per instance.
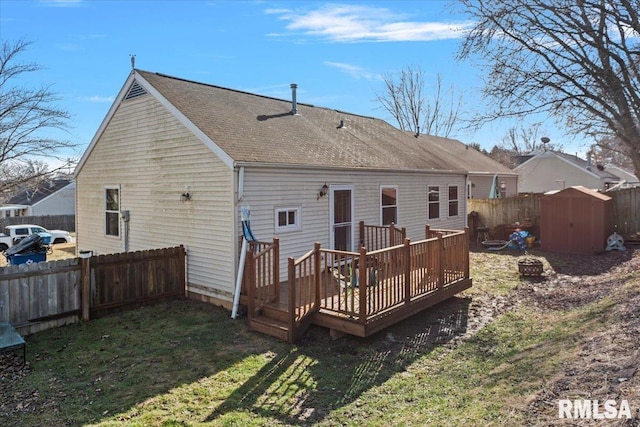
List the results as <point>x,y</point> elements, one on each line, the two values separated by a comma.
<point>495,355</point>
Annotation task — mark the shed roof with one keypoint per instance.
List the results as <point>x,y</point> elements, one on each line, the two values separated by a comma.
<point>580,190</point>
<point>252,128</point>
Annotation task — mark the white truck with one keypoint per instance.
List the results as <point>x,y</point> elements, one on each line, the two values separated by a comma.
<point>14,233</point>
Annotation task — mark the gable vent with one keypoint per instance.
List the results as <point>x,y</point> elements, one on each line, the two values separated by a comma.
<point>135,91</point>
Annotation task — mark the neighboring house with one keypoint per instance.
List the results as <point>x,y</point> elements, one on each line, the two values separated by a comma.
<point>627,179</point>
<point>552,170</point>
<point>52,197</point>
<point>487,178</point>
<point>175,161</point>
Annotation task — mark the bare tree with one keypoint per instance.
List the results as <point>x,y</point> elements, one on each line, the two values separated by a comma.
<point>26,117</point>
<point>577,60</point>
<point>405,100</point>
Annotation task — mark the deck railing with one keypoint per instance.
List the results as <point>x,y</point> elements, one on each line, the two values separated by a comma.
<point>374,237</point>
<point>391,277</point>
<point>262,274</point>
<point>362,286</point>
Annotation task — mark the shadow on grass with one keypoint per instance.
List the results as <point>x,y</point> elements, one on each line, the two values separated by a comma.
<point>342,370</point>
<point>130,363</point>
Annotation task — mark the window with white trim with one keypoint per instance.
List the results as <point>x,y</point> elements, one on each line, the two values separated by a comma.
<point>389,205</point>
<point>288,219</point>
<point>112,211</point>
<point>453,200</point>
<point>433,202</point>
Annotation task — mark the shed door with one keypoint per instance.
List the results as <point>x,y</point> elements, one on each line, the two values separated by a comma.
<point>341,206</point>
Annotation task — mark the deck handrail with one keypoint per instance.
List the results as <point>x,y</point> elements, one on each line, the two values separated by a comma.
<point>362,287</point>
<point>262,257</point>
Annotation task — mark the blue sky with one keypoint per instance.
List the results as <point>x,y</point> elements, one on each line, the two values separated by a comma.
<point>336,52</point>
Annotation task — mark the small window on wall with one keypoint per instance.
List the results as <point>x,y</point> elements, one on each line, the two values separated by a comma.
<point>433,202</point>
<point>453,200</point>
<point>287,219</point>
<point>389,205</point>
<point>112,211</point>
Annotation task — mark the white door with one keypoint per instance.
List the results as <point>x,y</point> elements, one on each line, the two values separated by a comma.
<point>341,210</point>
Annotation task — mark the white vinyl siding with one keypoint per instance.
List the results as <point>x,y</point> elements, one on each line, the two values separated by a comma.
<point>301,187</point>
<point>154,158</point>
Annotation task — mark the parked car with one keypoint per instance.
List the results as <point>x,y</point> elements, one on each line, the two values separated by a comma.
<point>14,233</point>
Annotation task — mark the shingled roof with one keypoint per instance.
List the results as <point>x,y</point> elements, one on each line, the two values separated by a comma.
<point>31,196</point>
<point>252,128</point>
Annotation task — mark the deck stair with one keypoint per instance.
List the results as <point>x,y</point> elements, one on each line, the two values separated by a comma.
<point>271,320</point>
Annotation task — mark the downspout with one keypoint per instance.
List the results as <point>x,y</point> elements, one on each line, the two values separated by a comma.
<point>243,250</point>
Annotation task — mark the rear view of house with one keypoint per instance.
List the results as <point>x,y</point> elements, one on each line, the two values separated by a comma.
<point>176,161</point>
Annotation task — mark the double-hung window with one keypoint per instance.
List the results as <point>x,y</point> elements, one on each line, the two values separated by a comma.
<point>389,205</point>
<point>453,200</point>
<point>112,211</point>
<point>433,202</point>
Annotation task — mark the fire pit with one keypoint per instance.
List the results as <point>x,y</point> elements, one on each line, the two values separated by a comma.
<point>529,266</point>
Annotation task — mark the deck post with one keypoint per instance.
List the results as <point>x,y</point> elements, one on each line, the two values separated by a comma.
<point>362,284</point>
<point>467,235</point>
<point>316,273</point>
<point>276,267</point>
<point>361,227</point>
<point>292,297</point>
<point>440,261</point>
<point>250,272</point>
<point>426,231</point>
<point>392,234</point>
<point>407,271</point>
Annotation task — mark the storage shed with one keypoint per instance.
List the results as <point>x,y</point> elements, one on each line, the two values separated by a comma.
<point>575,220</point>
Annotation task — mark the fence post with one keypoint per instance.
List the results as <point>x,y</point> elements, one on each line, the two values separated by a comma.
<point>407,271</point>
<point>362,284</point>
<point>85,257</point>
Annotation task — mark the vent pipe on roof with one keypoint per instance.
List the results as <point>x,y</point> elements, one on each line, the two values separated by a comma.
<point>294,103</point>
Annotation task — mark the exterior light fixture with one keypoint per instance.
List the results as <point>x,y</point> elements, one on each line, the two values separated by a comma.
<point>323,191</point>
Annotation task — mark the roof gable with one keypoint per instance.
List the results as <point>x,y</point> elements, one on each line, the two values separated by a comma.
<point>244,128</point>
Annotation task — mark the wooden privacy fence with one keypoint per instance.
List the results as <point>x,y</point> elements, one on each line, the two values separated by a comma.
<point>43,295</point>
<point>495,212</point>
<point>50,222</point>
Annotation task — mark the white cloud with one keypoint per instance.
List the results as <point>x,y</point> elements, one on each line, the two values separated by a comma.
<point>99,99</point>
<point>61,3</point>
<point>355,23</point>
<point>353,70</point>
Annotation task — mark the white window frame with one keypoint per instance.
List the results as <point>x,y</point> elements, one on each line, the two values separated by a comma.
<point>106,211</point>
<point>449,200</point>
<point>429,202</point>
<point>296,226</point>
<point>382,188</point>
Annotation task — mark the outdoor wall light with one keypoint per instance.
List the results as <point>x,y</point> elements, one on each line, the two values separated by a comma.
<point>186,196</point>
<point>323,192</point>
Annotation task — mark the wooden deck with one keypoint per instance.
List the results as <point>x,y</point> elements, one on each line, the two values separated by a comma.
<point>357,293</point>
